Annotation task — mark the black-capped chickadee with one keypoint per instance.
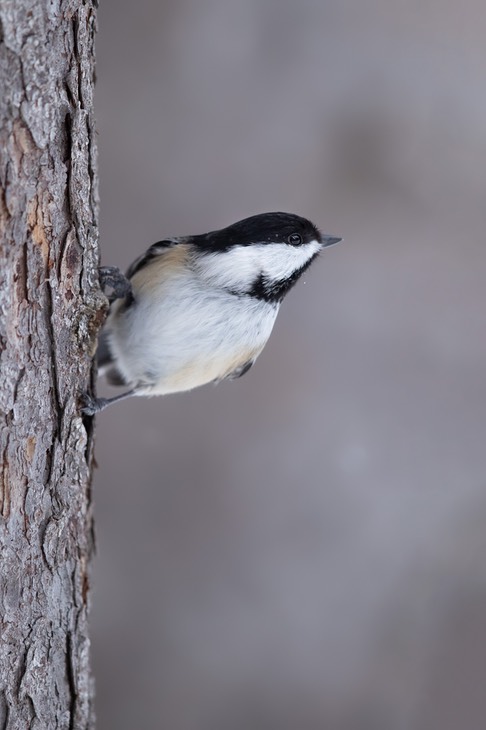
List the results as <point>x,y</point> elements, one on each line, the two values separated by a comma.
<point>200,309</point>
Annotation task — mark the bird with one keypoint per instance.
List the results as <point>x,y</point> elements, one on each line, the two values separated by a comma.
<point>198,309</point>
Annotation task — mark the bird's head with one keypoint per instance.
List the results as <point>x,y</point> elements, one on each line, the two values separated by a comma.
<point>261,256</point>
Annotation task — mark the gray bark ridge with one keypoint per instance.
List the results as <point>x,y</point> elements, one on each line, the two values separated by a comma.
<point>50,312</point>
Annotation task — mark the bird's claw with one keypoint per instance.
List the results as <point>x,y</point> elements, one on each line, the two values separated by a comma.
<point>112,278</point>
<point>91,405</point>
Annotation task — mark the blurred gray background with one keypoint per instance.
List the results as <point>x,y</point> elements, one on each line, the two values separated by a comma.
<point>304,548</point>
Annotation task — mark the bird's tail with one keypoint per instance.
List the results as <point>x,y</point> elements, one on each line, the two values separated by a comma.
<point>103,354</point>
<point>105,362</point>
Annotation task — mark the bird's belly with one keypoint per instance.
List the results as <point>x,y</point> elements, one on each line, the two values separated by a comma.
<point>201,370</point>
<point>189,341</point>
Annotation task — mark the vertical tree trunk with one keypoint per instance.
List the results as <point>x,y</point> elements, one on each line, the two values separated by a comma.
<point>50,311</point>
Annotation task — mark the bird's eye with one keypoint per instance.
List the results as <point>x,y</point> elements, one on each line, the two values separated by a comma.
<point>295,239</point>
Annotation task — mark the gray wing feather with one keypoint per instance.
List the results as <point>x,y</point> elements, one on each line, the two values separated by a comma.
<point>241,370</point>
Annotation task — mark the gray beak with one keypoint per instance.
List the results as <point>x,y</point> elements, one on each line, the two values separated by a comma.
<point>330,240</point>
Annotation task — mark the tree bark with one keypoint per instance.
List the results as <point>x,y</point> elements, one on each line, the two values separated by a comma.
<point>50,311</point>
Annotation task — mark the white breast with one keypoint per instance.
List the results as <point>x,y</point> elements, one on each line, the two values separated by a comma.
<point>183,332</point>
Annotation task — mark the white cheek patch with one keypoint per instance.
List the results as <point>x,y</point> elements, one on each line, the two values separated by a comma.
<point>278,261</point>
<point>240,266</point>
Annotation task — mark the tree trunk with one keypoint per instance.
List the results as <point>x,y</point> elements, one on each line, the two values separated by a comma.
<point>50,311</point>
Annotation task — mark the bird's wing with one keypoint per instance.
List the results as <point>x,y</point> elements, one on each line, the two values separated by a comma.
<point>156,249</point>
<point>241,370</point>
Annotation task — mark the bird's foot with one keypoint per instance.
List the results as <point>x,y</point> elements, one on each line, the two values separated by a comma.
<point>91,405</point>
<point>112,278</point>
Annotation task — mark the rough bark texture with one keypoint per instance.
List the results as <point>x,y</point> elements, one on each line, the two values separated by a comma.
<point>50,310</point>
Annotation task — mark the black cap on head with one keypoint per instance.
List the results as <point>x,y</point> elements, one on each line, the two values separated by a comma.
<point>262,228</point>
